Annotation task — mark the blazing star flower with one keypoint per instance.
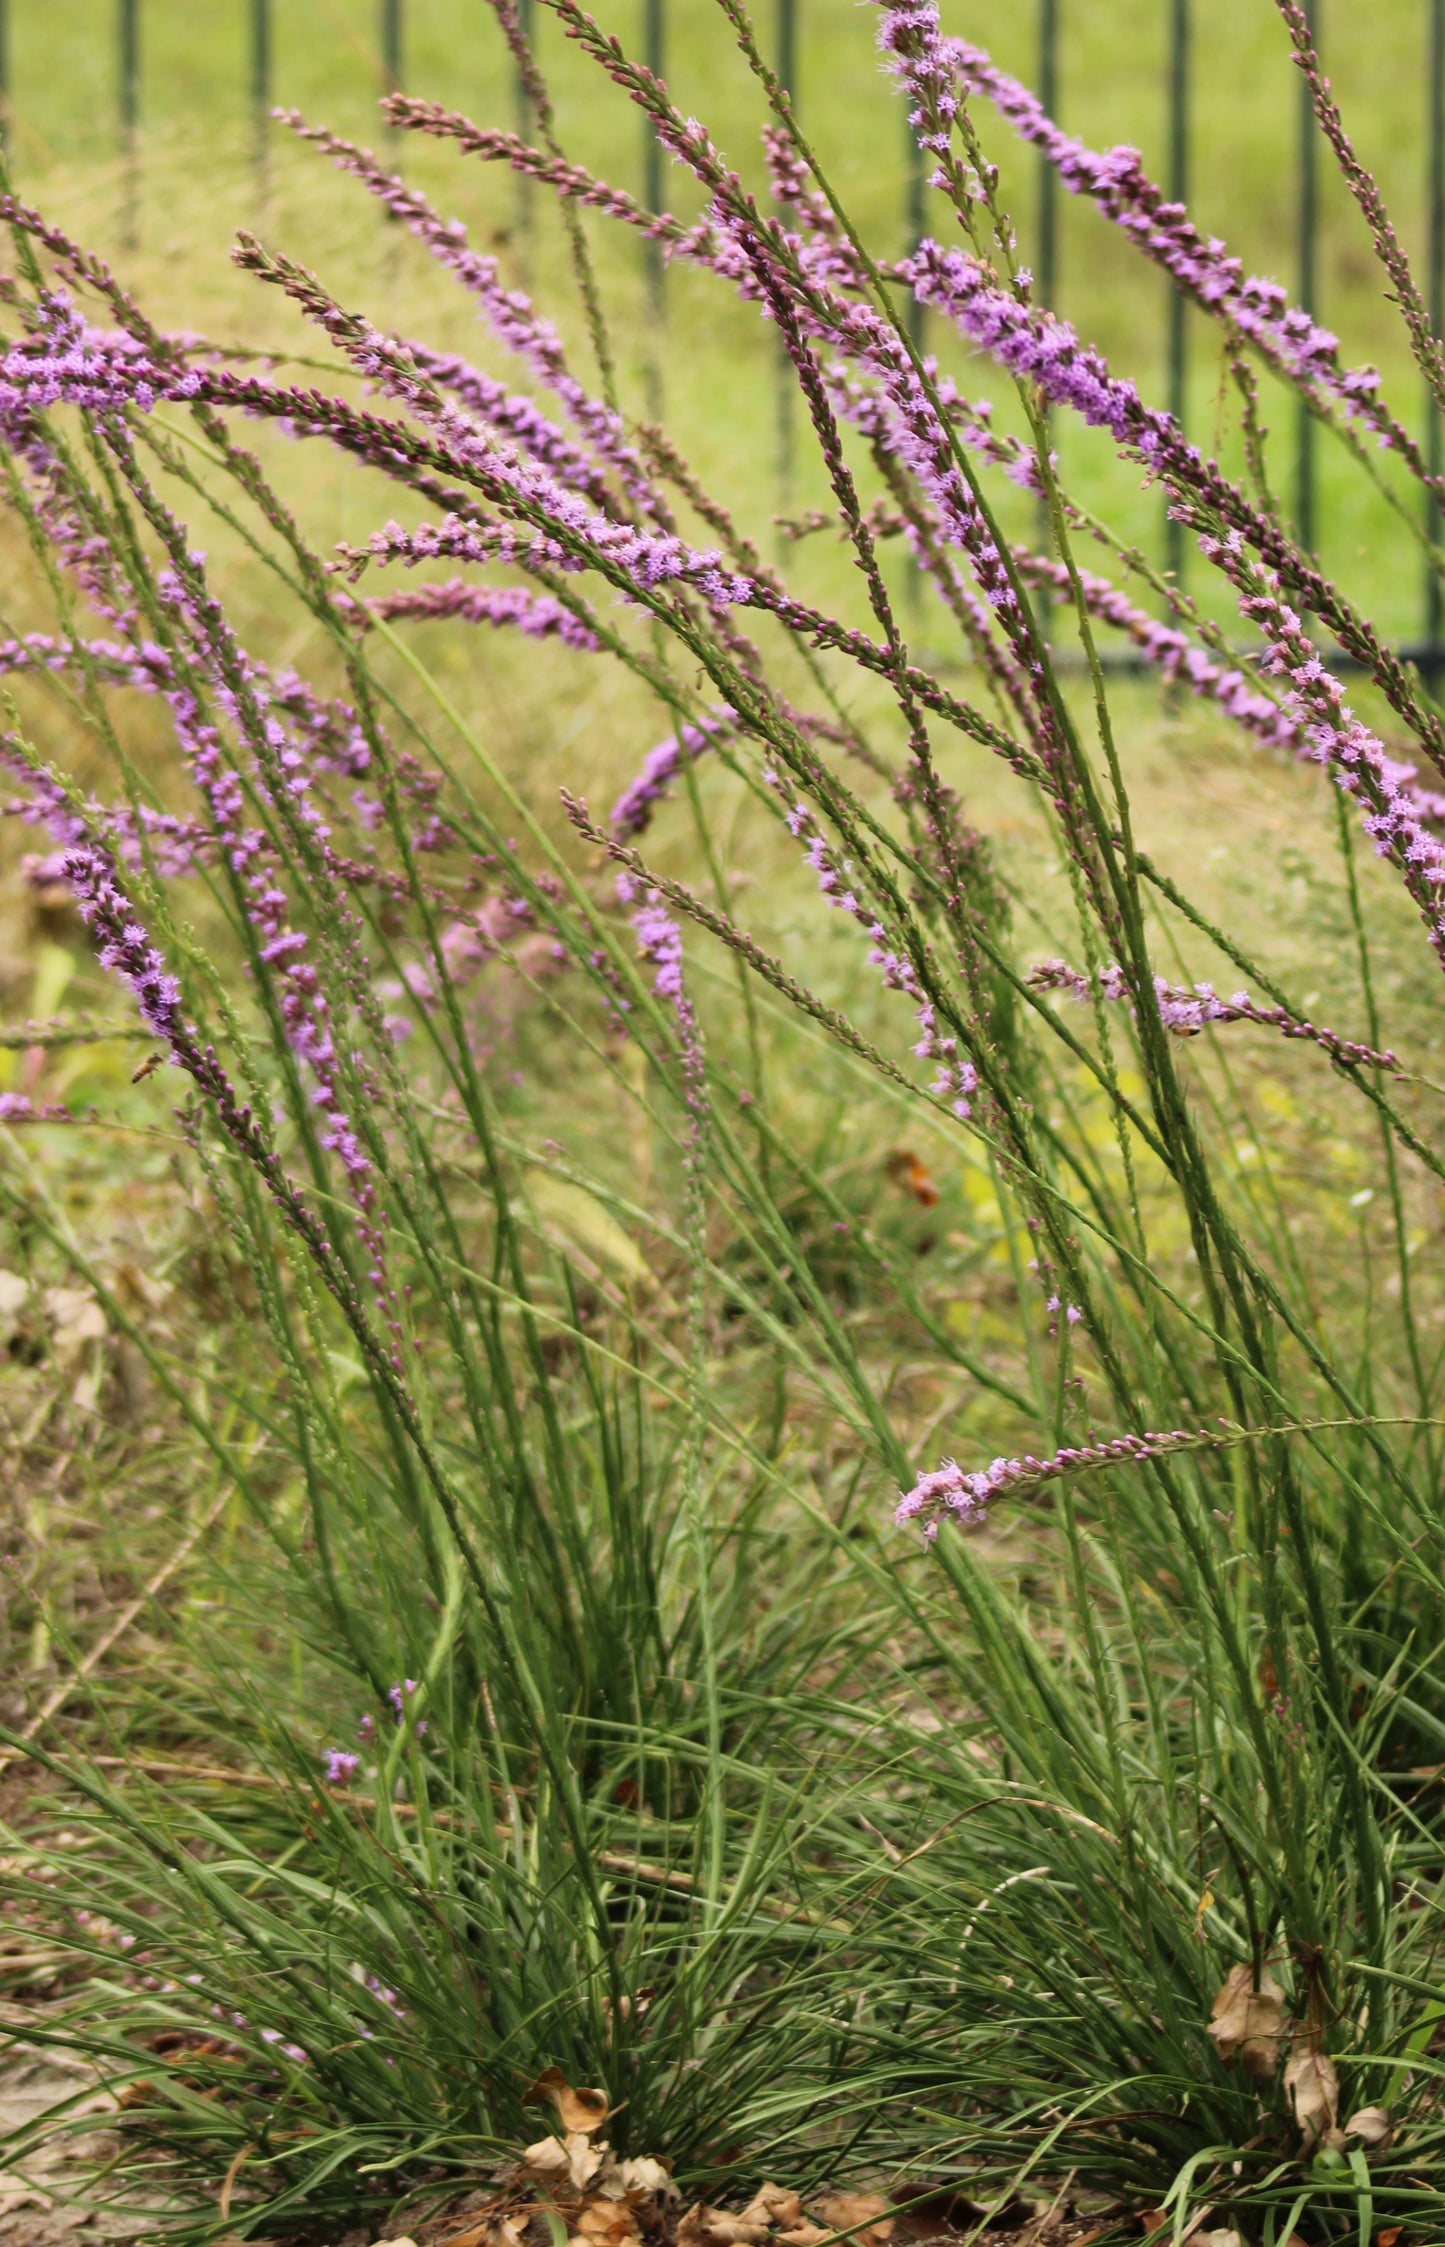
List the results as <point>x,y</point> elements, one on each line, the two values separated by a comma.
<point>1186,1013</point>
<point>15,1107</point>
<point>632,812</point>
<point>1117,182</point>
<point>1331,735</point>
<point>950,1489</point>
<point>341,1766</point>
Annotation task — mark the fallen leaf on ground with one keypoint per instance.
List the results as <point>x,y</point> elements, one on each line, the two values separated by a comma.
<point>866,2216</point>
<point>138,1291</point>
<point>1312,2088</point>
<point>75,1319</point>
<point>1247,2024</point>
<point>573,2160</point>
<point>921,2215</point>
<point>606,2223</point>
<point>577,2110</point>
<point>14,1295</point>
<point>640,2173</point>
<point>1373,2127</point>
<point>15,2193</point>
<point>714,2227</point>
<point>771,2205</point>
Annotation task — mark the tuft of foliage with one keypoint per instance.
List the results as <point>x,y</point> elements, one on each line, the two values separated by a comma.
<point>570,1700</point>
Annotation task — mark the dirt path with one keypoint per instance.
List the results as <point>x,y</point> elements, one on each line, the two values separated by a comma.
<point>43,2199</point>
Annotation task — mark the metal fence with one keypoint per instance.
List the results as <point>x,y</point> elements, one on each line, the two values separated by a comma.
<point>1183,19</point>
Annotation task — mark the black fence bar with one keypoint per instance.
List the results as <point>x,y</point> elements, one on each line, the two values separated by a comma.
<point>1174,547</point>
<point>526,17</point>
<point>1435,253</point>
<point>1304,506</point>
<point>654,41</point>
<point>1048,266</point>
<point>654,54</point>
<point>128,91</point>
<point>391,44</point>
<point>261,76</point>
<point>128,69</point>
<point>1046,276</point>
<point>913,221</point>
<point>787,69</point>
<point>788,44</point>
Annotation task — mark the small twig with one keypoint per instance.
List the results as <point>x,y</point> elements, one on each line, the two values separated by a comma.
<point>18,1036</point>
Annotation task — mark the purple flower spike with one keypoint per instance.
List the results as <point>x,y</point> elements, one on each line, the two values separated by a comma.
<point>632,812</point>
<point>950,1490</point>
<point>121,943</point>
<point>659,940</point>
<point>1187,1012</point>
<point>1117,182</point>
<point>1331,735</point>
<point>341,1767</point>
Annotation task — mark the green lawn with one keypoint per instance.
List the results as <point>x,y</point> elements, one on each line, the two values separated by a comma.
<point>196,180</point>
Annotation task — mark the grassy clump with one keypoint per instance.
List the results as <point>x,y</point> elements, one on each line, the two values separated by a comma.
<point>555,1285</point>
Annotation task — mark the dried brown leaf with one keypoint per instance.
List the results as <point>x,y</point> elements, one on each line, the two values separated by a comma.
<point>803,2235</point>
<point>606,2223</point>
<point>75,1319</point>
<point>547,2158</point>
<point>573,2161</point>
<point>715,2227</point>
<point>1248,2024</point>
<point>866,2216</point>
<point>14,1296</point>
<point>577,2110</point>
<point>640,2173</point>
<point>1312,2088</point>
<point>1373,2127</point>
<point>771,2205</point>
<point>17,2192</point>
<point>143,1292</point>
